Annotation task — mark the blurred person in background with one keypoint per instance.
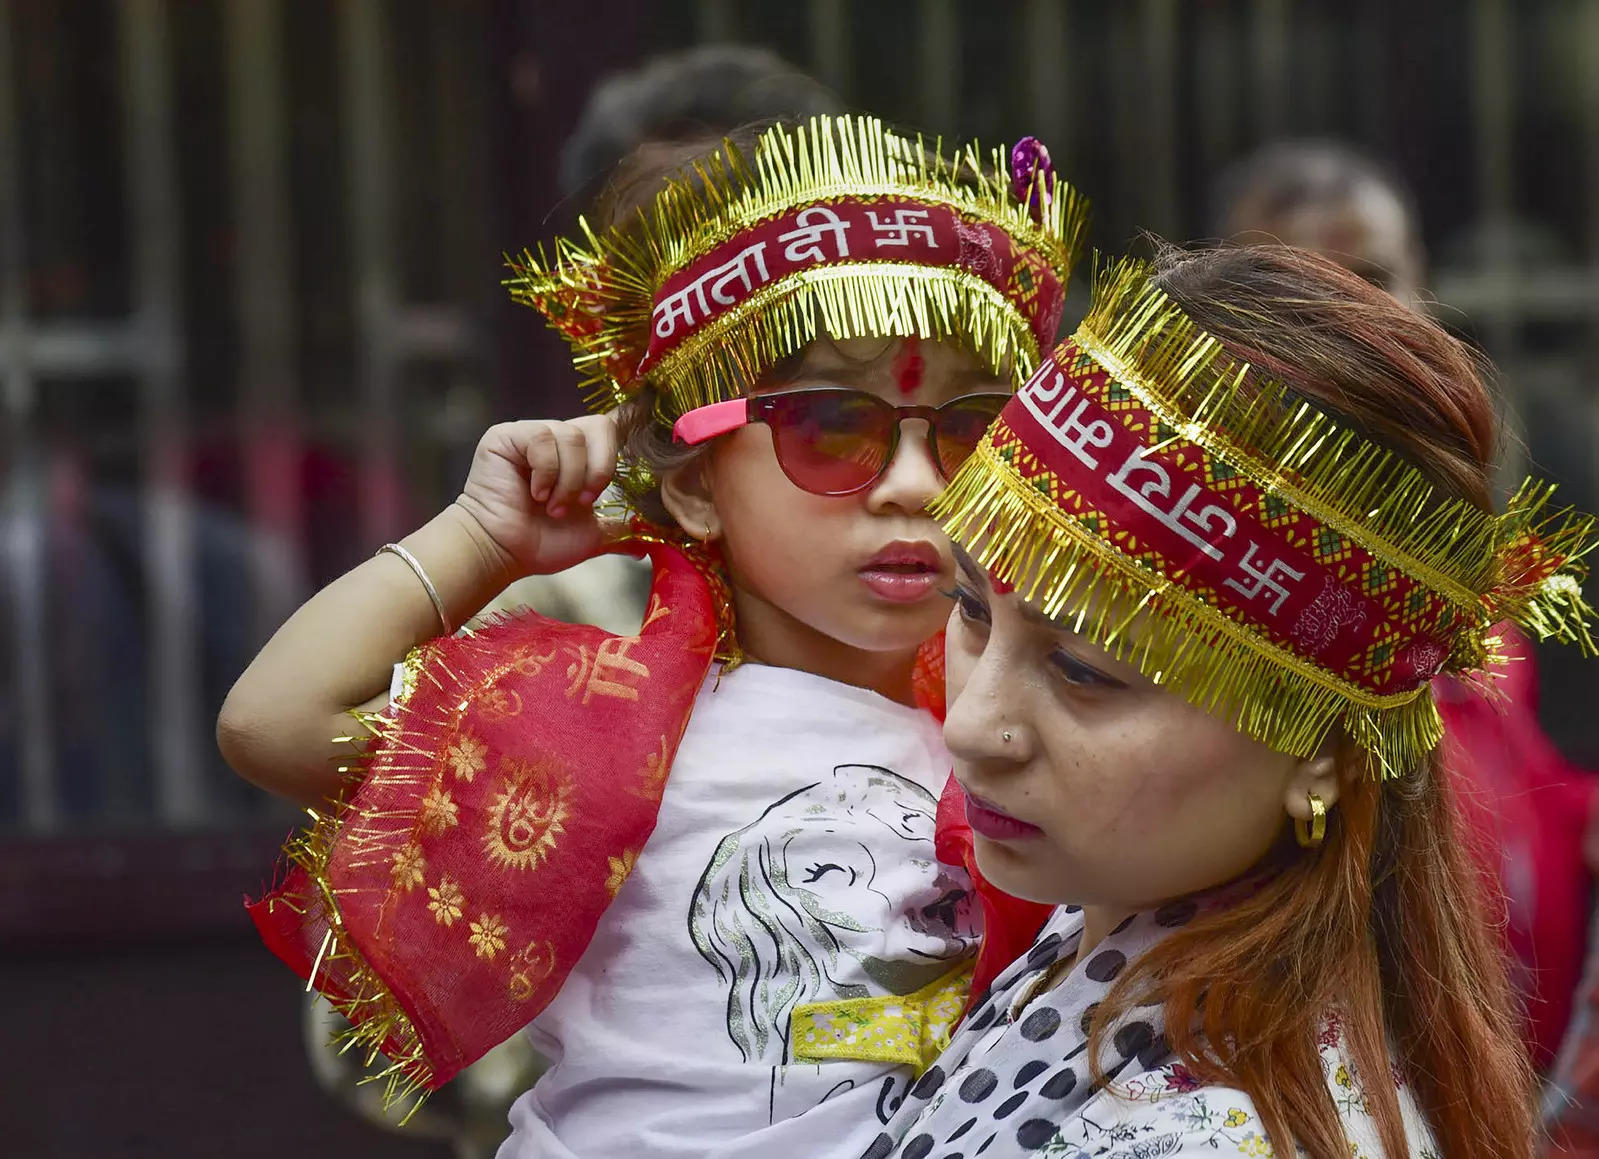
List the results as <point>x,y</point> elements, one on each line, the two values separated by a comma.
<point>1329,198</point>
<point>1529,805</point>
<point>93,537</point>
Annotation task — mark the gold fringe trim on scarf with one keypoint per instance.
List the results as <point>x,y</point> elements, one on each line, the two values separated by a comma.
<point>408,761</point>
<point>612,278</point>
<point>372,1010</point>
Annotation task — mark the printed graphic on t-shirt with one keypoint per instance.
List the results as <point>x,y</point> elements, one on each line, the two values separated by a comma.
<point>796,907</point>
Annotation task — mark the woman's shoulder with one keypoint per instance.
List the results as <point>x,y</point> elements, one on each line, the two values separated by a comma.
<point>1168,1111</point>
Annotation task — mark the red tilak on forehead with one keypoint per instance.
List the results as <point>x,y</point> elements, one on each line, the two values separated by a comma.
<point>908,366</point>
<point>1001,588</point>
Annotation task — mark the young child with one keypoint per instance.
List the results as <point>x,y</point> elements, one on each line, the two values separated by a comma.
<point>754,954</point>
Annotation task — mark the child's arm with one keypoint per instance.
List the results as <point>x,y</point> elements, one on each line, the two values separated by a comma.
<point>527,508</point>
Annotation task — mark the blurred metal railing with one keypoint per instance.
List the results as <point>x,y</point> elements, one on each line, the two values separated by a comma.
<point>147,347</point>
<point>1141,102</point>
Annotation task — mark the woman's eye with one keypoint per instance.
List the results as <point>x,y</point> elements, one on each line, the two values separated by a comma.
<point>971,608</point>
<point>1078,674</point>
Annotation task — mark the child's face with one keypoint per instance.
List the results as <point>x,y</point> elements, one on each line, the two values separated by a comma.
<point>865,570</point>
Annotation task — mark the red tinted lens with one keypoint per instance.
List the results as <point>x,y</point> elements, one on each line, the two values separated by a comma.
<point>960,425</point>
<point>830,442</point>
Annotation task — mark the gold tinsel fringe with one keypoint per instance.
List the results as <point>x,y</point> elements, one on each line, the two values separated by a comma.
<point>612,278</point>
<point>1283,442</point>
<point>407,762</point>
<point>371,1008</point>
<point>877,300</point>
<point>1091,588</point>
<point>1552,607</point>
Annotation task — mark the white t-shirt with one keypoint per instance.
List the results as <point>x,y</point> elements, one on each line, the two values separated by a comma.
<point>792,863</point>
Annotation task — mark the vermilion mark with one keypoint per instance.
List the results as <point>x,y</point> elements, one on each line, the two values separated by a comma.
<point>908,367</point>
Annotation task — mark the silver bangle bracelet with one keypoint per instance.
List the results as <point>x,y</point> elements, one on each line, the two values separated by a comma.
<point>433,592</point>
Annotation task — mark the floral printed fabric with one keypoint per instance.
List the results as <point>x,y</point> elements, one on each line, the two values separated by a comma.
<point>1015,1079</point>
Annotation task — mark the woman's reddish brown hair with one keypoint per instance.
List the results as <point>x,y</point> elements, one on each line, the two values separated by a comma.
<point>1391,922</point>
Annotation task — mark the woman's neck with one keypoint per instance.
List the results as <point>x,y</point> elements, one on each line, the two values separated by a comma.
<point>1098,922</point>
<point>769,635</point>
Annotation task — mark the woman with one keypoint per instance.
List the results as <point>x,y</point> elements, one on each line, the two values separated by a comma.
<point>1196,597</point>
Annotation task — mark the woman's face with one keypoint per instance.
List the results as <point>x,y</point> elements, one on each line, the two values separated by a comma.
<point>1112,791</point>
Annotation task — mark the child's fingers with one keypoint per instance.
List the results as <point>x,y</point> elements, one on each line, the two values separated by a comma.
<point>573,448</point>
<point>543,455</point>
<point>600,431</point>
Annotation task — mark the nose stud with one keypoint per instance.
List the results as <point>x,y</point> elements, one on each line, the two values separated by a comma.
<point>1005,736</point>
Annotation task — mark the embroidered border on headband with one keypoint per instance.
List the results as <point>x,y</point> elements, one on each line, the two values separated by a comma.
<point>746,237</point>
<point>1264,476</point>
<point>859,232</point>
<point>1190,519</point>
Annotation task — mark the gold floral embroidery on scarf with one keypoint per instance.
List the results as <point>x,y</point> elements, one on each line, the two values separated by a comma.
<point>445,901</point>
<point>408,865</point>
<point>439,813</point>
<point>488,935</point>
<point>468,756</point>
<point>529,815</point>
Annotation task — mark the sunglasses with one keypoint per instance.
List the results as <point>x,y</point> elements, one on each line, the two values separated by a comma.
<point>834,441</point>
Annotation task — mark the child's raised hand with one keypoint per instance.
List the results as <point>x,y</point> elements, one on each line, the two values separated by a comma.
<point>532,488</point>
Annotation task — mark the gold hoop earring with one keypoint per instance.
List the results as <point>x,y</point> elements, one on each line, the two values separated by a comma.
<point>1310,833</point>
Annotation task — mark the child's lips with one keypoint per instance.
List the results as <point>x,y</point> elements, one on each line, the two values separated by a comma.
<point>903,572</point>
<point>907,555</point>
<point>901,587</point>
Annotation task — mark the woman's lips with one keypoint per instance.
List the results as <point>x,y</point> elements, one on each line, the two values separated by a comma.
<point>994,823</point>
<point>903,573</point>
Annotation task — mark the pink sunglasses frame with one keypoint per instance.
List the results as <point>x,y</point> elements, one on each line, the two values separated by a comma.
<point>704,423</point>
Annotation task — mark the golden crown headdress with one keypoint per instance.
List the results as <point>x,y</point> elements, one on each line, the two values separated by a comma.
<point>835,226</point>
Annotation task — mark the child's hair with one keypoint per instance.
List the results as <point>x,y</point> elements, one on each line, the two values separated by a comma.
<point>1388,924</point>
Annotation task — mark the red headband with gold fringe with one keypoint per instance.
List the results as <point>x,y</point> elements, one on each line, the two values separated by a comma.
<point>1237,543</point>
<point>836,226</point>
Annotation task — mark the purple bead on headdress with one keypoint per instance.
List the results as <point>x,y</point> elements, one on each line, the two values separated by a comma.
<point>1028,158</point>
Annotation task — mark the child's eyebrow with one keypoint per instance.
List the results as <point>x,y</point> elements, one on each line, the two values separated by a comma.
<point>843,374</point>
<point>980,376</point>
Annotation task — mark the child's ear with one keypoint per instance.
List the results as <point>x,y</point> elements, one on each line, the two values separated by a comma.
<point>686,493</point>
